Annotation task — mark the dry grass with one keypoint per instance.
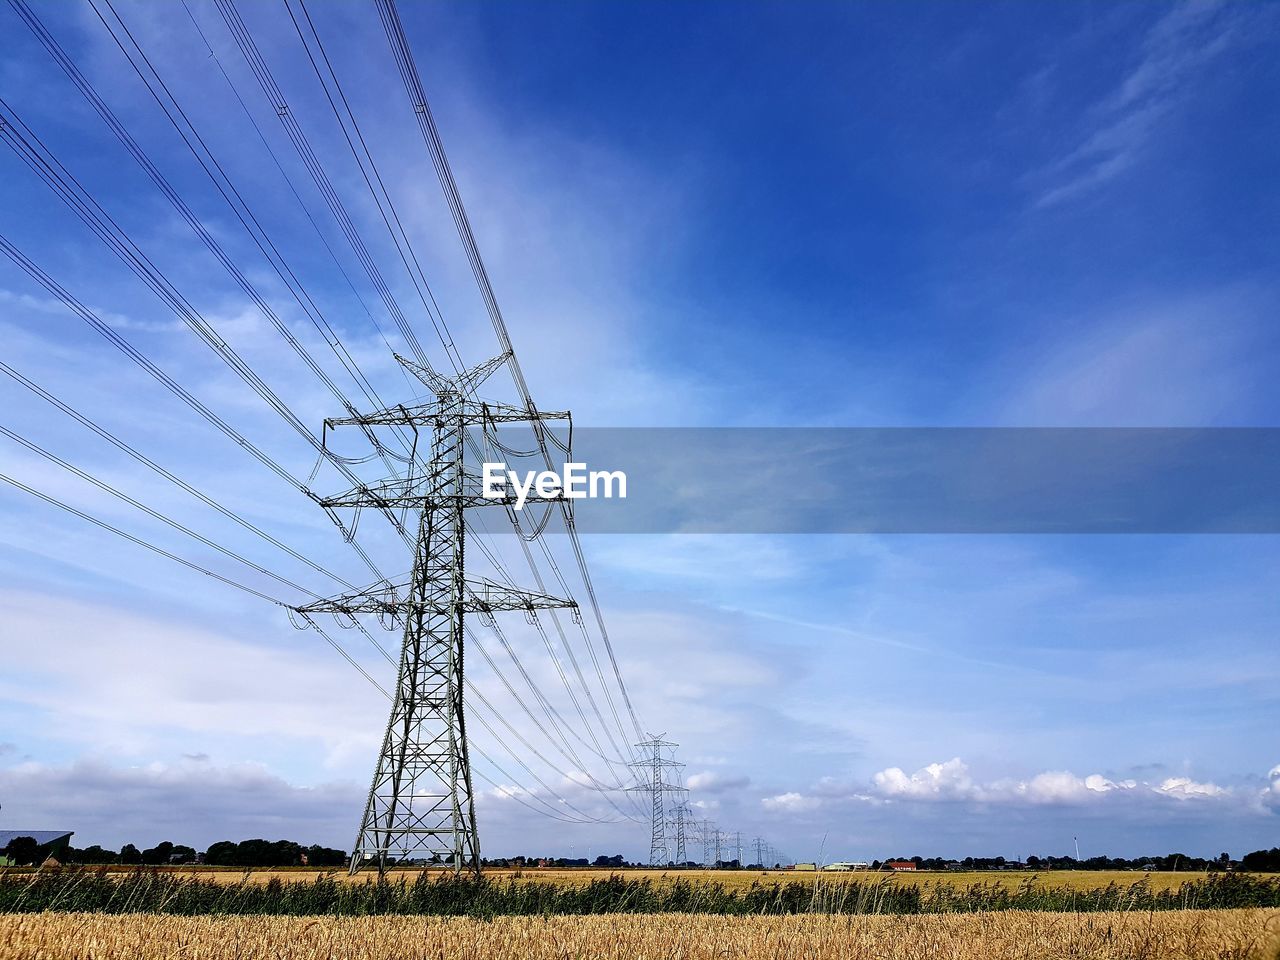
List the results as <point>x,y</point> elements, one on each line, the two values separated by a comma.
<point>1174,935</point>
<point>742,879</point>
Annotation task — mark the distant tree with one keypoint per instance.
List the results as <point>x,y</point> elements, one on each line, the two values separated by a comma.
<point>93,855</point>
<point>260,853</point>
<point>130,854</point>
<point>221,854</point>
<point>158,854</point>
<point>318,856</point>
<point>182,854</point>
<point>24,851</point>
<point>1267,861</point>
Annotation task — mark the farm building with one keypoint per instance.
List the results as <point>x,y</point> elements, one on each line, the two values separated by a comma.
<point>841,866</point>
<point>900,865</point>
<point>52,843</point>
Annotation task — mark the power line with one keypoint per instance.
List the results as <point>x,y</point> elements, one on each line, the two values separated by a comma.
<point>289,182</point>
<point>146,545</point>
<point>119,242</point>
<point>155,467</point>
<point>154,514</point>
<point>40,161</point>
<point>381,197</point>
<point>403,55</point>
<point>275,98</point>
<point>165,380</point>
<point>82,203</point>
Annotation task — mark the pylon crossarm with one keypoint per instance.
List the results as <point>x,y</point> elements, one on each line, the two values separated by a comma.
<point>468,413</point>
<point>392,597</point>
<point>427,490</point>
<point>463,383</point>
<point>485,596</point>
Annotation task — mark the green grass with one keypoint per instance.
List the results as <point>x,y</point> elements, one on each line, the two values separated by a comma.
<point>150,891</point>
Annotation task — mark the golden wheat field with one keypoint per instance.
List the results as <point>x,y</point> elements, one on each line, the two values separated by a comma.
<point>1175,935</point>
<point>741,879</point>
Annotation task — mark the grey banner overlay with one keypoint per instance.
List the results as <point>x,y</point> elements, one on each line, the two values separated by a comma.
<point>921,480</point>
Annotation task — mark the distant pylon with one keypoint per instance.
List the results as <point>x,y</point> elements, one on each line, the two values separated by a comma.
<point>651,771</point>
<point>705,828</point>
<point>679,824</point>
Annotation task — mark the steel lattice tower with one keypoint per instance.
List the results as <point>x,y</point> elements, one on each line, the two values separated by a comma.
<point>421,803</point>
<point>679,822</point>
<point>651,772</point>
<point>704,837</point>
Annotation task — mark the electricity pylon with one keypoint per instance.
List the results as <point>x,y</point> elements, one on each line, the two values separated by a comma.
<point>421,804</point>
<point>704,837</point>
<point>651,772</point>
<point>679,822</point>
<point>760,848</point>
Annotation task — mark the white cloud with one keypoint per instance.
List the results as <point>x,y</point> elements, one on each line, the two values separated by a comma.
<point>790,803</point>
<point>1062,786</point>
<point>952,781</point>
<point>1184,788</point>
<point>1271,792</point>
<point>1180,45</point>
<point>131,684</point>
<point>935,781</point>
<point>713,782</point>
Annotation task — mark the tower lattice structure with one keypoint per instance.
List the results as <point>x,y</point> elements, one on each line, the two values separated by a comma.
<point>679,823</point>
<point>653,773</point>
<point>421,803</point>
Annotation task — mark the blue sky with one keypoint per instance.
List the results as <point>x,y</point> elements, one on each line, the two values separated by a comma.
<point>861,215</point>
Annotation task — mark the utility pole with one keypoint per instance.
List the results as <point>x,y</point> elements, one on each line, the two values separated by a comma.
<point>760,847</point>
<point>421,803</point>
<point>653,781</point>
<point>737,847</point>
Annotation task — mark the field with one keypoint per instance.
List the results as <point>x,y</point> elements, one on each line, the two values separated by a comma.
<point>1173,935</point>
<point>742,879</point>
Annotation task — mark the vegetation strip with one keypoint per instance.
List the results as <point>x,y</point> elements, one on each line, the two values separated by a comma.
<point>150,891</point>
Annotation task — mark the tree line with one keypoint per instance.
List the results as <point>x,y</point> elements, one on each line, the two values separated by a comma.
<point>25,851</point>
<point>1259,861</point>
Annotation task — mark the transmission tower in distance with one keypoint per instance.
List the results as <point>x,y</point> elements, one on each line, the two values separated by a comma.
<point>680,821</point>
<point>652,772</point>
<point>421,804</point>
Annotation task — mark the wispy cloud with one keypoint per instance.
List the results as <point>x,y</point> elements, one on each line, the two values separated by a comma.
<point>1121,126</point>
